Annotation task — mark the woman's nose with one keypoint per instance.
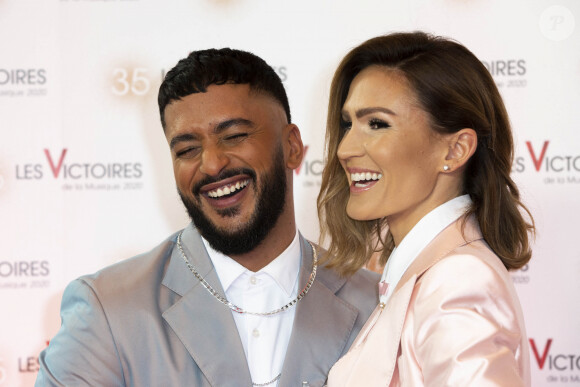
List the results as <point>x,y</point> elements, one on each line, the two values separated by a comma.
<point>350,145</point>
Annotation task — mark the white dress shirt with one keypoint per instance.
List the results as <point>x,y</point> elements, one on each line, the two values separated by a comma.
<point>419,237</point>
<point>264,338</point>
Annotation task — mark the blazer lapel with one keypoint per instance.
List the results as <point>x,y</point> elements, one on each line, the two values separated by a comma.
<point>452,237</point>
<point>322,326</point>
<point>204,325</point>
<point>381,341</point>
<point>395,314</point>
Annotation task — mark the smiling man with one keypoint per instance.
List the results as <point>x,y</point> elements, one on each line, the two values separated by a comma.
<point>237,298</point>
<point>233,155</point>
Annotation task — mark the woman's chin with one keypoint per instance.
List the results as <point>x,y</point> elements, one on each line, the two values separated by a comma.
<point>359,214</point>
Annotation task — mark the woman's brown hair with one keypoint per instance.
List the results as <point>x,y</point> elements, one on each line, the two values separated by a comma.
<point>457,92</point>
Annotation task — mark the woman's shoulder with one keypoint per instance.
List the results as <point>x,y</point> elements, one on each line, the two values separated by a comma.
<point>471,268</point>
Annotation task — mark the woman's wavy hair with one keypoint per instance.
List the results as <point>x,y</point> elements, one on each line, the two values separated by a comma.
<point>457,92</point>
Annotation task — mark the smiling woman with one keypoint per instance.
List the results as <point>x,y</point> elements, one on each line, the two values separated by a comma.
<point>382,121</point>
<point>450,88</point>
<point>419,159</point>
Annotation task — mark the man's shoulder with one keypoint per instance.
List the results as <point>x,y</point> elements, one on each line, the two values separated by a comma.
<point>364,282</point>
<point>360,285</point>
<point>137,271</point>
<point>365,275</point>
<point>358,290</point>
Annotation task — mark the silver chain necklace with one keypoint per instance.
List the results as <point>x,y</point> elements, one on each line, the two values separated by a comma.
<point>270,382</point>
<point>236,308</point>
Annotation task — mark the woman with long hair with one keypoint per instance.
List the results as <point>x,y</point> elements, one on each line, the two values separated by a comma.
<point>419,154</point>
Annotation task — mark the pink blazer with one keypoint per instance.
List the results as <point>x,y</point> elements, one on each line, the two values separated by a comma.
<point>454,319</point>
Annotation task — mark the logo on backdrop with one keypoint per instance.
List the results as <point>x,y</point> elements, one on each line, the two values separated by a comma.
<point>24,274</point>
<point>562,366</point>
<point>134,81</point>
<point>557,23</point>
<point>24,365</point>
<point>310,171</point>
<point>23,82</point>
<point>555,166</point>
<point>507,73</point>
<point>282,72</point>
<point>81,175</point>
<point>521,276</point>
<point>131,81</point>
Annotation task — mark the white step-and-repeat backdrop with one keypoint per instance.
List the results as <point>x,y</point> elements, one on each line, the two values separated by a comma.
<point>85,172</point>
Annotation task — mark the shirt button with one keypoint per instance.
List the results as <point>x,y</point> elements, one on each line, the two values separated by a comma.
<point>256,333</point>
<point>253,280</point>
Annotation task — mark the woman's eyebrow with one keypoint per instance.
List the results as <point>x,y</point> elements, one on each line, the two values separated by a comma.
<point>363,112</point>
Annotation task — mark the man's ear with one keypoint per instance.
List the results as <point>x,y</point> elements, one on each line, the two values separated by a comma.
<point>461,146</point>
<point>294,149</point>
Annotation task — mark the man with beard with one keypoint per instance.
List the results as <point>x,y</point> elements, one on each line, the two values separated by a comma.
<point>237,298</point>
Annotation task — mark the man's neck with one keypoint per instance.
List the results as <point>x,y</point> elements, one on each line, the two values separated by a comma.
<point>277,240</point>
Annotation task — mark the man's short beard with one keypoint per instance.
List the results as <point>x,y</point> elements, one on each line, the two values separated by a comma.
<point>270,202</point>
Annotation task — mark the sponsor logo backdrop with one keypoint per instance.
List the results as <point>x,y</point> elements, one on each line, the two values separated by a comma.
<point>85,173</point>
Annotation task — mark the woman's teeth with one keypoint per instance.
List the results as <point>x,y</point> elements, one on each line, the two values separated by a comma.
<point>362,177</point>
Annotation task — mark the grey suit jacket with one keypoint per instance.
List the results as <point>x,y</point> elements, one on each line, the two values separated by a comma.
<point>147,321</point>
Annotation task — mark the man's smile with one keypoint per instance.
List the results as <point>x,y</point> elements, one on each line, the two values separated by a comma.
<point>225,192</point>
<point>227,189</point>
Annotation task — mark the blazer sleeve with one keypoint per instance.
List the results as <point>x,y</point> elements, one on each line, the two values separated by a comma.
<point>465,327</point>
<point>83,352</point>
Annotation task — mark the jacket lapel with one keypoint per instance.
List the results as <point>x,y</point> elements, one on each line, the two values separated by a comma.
<point>395,315</point>
<point>322,327</point>
<point>452,237</point>
<point>379,343</point>
<point>204,325</point>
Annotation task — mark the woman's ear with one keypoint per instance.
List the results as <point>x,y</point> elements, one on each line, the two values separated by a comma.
<point>461,146</point>
<point>294,146</point>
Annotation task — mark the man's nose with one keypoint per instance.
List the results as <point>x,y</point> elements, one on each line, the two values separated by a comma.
<point>213,161</point>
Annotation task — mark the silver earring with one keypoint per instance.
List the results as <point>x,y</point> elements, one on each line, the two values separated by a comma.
<point>446,167</point>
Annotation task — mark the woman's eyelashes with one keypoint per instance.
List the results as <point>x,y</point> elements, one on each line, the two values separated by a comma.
<point>345,124</point>
<point>375,123</point>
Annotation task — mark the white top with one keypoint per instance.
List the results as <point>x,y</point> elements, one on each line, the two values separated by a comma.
<point>265,338</point>
<point>419,237</point>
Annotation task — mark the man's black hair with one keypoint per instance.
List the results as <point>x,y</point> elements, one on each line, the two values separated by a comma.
<point>217,67</point>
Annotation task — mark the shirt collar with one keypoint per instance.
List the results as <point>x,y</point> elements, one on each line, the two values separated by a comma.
<point>421,235</point>
<point>283,269</point>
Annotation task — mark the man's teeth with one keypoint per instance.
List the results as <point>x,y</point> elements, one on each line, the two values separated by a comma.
<point>365,176</point>
<point>228,189</point>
